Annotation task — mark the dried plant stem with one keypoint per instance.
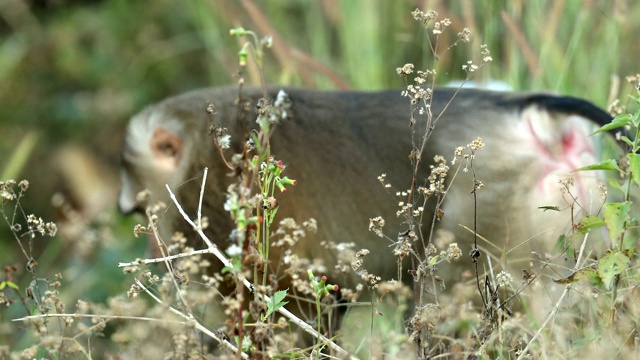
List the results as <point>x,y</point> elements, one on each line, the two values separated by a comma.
<point>95,316</point>
<point>164,258</point>
<point>189,319</point>
<point>192,320</point>
<point>213,249</point>
<point>555,309</point>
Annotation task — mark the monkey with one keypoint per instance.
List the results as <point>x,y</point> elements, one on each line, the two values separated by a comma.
<point>338,143</point>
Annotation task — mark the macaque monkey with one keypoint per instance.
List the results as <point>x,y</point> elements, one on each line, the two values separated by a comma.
<point>338,143</point>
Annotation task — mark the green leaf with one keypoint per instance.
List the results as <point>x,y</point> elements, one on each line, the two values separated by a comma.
<point>611,265</point>
<point>618,122</point>
<point>561,242</point>
<point>576,276</point>
<point>275,303</point>
<point>605,165</point>
<point>616,185</point>
<point>589,223</point>
<point>627,141</point>
<point>10,284</point>
<point>634,166</point>
<point>636,119</point>
<point>615,216</point>
<point>552,208</point>
<point>247,346</point>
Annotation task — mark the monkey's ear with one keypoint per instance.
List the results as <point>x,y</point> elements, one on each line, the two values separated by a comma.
<point>167,149</point>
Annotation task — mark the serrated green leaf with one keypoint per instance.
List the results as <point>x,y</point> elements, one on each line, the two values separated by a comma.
<point>279,296</point>
<point>615,217</point>
<point>275,303</point>
<point>612,265</point>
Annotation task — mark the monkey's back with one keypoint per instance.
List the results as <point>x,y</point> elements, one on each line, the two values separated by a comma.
<point>337,144</point>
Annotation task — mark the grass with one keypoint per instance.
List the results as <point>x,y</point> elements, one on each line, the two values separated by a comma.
<point>76,72</point>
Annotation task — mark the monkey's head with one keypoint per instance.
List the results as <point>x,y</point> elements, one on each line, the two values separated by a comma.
<point>169,143</point>
<point>158,143</point>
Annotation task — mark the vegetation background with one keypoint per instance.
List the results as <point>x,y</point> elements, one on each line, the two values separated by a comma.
<point>73,72</point>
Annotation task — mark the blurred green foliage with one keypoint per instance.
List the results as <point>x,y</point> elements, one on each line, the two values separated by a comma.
<point>69,66</point>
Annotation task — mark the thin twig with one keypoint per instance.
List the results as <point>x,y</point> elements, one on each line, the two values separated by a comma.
<point>226,262</point>
<point>96,316</point>
<point>204,179</point>
<point>162,246</point>
<point>164,258</point>
<point>557,305</point>
<point>191,320</point>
